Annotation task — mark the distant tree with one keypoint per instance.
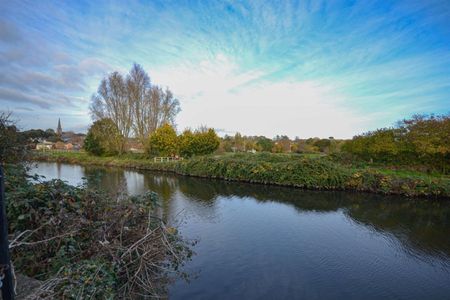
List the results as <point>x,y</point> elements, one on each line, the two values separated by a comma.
<point>239,143</point>
<point>323,145</point>
<point>282,144</point>
<point>103,138</point>
<point>34,134</point>
<point>50,132</point>
<point>265,144</point>
<point>226,144</point>
<point>277,148</point>
<point>163,142</point>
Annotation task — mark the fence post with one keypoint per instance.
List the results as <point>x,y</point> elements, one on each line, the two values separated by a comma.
<point>5,263</point>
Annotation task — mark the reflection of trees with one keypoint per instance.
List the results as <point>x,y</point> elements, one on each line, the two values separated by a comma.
<point>165,186</point>
<point>111,180</point>
<point>421,225</point>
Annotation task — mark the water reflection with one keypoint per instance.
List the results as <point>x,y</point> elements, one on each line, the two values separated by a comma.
<point>355,240</point>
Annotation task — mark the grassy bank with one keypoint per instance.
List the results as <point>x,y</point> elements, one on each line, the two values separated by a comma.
<point>279,169</point>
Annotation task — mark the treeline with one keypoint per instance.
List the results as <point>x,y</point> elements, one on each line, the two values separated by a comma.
<point>420,140</point>
<point>279,144</point>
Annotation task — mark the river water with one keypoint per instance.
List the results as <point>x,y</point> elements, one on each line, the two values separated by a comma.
<point>265,242</point>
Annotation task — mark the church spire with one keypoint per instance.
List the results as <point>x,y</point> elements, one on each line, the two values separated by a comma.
<point>59,129</point>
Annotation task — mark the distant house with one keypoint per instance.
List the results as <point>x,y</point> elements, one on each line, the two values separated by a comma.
<point>60,146</point>
<point>134,146</point>
<point>68,146</point>
<point>44,145</point>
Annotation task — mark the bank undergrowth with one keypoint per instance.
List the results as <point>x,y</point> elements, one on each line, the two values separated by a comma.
<point>83,244</point>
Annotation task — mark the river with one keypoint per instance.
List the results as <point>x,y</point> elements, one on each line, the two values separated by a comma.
<point>266,242</point>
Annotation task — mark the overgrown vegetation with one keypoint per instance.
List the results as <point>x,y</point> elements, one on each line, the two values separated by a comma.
<point>419,141</point>
<point>84,244</point>
<point>12,143</point>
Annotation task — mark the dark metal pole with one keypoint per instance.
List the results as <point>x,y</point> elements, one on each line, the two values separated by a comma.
<point>5,263</point>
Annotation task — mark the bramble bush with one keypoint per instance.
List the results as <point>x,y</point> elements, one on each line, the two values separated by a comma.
<point>84,244</point>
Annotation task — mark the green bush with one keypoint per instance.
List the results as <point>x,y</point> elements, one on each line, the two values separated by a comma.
<point>104,138</point>
<point>201,142</point>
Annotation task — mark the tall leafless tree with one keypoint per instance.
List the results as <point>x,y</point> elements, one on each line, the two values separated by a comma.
<point>164,108</point>
<point>112,101</point>
<point>139,90</point>
<point>134,104</point>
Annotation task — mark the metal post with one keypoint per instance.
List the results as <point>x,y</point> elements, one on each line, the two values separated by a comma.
<point>5,263</point>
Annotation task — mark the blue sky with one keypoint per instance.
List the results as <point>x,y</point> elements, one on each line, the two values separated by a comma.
<point>301,68</point>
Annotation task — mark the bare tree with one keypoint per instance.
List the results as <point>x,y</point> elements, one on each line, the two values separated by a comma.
<point>112,101</point>
<point>170,107</point>
<point>134,104</point>
<point>138,91</point>
<point>152,106</point>
<point>164,108</point>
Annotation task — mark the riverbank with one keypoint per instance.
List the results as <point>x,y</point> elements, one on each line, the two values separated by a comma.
<point>80,242</point>
<point>319,173</point>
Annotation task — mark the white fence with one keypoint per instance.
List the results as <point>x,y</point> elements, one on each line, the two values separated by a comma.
<point>166,159</point>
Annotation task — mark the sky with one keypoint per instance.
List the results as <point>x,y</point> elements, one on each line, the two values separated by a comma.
<point>296,68</point>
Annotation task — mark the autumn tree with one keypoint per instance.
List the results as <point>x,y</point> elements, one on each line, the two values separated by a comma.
<point>282,144</point>
<point>201,142</point>
<point>163,142</point>
<point>186,143</point>
<point>206,141</point>
<point>419,140</point>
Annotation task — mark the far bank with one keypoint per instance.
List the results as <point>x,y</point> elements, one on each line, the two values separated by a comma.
<point>300,171</point>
